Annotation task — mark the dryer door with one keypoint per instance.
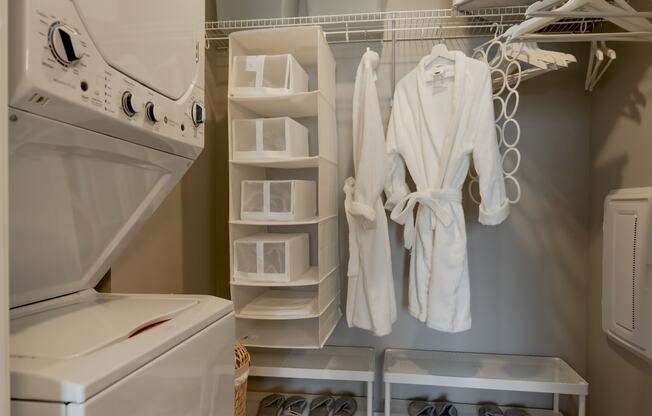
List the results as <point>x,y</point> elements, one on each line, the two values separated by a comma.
<point>153,41</point>
<point>76,198</point>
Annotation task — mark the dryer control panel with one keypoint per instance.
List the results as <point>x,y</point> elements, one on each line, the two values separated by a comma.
<point>58,72</point>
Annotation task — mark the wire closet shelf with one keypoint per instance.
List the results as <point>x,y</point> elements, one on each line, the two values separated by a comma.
<point>401,25</point>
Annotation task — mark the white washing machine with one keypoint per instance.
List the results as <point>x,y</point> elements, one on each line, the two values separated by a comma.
<point>106,115</point>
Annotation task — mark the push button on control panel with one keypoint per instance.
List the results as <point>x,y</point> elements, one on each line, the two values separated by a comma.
<point>130,104</point>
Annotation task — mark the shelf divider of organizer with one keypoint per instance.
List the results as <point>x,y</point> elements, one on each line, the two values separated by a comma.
<point>317,107</point>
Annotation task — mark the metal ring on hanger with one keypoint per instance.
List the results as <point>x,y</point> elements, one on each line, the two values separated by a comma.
<point>518,189</point>
<point>470,191</point>
<point>516,164</point>
<point>506,104</point>
<point>498,116</point>
<point>501,53</point>
<point>503,77</point>
<point>504,134</point>
<point>518,78</point>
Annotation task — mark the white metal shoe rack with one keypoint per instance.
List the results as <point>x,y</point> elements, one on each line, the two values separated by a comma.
<point>314,109</point>
<point>548,375</point>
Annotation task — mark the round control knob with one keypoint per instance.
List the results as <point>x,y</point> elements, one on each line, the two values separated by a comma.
<point>130,104</point>
<point>64,44</point>
<point>197,114</point>
<point>151,112</point>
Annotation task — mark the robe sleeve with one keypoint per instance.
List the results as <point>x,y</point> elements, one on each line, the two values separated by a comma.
<point>370,149</point>
<point>395,186</point>
<point>494,207</point>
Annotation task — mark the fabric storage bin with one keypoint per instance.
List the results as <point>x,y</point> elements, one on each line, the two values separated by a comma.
<point>284,200</point>
<point>269,138</point>
<point>271,257</point>
<point>267,75</point>
<point>256,9</point>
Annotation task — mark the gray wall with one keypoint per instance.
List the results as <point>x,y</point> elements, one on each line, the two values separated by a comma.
<point>621,155</point>
<point>528,275</point>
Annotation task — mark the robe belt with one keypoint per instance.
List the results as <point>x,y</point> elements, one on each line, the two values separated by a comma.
<point>354,208</point>
<point>436,201</point>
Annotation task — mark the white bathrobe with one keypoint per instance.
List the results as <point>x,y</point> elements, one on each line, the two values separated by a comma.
<point>436,125</point>
<point>371,302</point>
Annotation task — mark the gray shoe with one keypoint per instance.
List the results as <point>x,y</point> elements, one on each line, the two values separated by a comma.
<point>421,408</point>
<point>489,410</point>
<point>445,409</point>
<point>271,405</point>
<point>345,406</point>
<point>321,406</point>
<point>294,406</point>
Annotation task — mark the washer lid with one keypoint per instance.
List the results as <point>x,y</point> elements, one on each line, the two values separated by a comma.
<point>155,42</point>
<point>70,348</point>
<point>81,328</point>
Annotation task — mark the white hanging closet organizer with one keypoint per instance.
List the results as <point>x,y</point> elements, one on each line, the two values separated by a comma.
<point>283,187</point>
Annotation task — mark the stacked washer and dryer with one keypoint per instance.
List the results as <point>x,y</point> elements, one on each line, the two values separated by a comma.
<point>106,115</point>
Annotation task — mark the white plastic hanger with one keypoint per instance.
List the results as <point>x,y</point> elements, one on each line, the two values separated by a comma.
<point>628,23</point>
<point>541,5</point>
<point>530,53</point>
<point>595,59</point>
<point>439,51</point>
<point>611,56</point>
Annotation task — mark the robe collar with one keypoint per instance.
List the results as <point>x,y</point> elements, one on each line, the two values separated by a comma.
<point>443,150</point>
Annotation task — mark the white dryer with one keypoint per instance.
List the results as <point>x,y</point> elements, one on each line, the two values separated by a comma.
<point>106,115</point>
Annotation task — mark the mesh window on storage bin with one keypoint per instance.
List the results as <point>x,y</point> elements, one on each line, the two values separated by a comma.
<point>253,196</point>
<point>274,135</point>
<point>275,71</point>
<point>246,257</point>
<point>274,257</point>
<point>245,67</point>
<point>244,136</point>
<point>280,197</point>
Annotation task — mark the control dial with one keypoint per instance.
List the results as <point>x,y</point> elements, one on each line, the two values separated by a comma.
<point>130,104</point>
<point>64,44</point>
<point>151,112</point>
<point>197,114</point>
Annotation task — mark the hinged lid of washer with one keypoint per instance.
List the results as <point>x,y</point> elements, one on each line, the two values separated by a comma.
<point>75,199</point>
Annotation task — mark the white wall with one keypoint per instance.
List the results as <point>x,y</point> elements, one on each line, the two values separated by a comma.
<point>4,235</point>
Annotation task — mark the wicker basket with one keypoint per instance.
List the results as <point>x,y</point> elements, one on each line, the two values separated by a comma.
<point>242,360</point>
